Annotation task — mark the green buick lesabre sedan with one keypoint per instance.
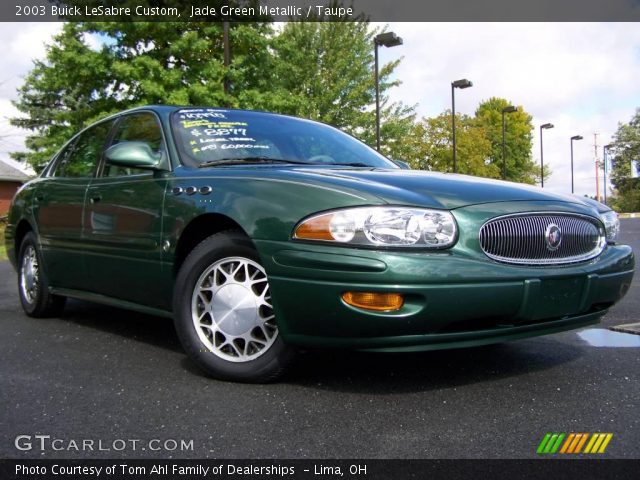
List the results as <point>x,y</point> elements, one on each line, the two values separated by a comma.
<point>261,233</point>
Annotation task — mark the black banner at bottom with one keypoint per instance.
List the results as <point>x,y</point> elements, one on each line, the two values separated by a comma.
<point>318,469</point>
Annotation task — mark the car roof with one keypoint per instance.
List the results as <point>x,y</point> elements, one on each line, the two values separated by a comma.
<point>166,110</point>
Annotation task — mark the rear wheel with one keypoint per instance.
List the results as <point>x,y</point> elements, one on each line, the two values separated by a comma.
<point>224,314</point>
<point>32,282</point>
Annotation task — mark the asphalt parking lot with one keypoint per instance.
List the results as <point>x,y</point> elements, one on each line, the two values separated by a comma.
<point>103,374</point>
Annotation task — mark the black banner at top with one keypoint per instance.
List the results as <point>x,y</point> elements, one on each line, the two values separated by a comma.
<point>320,10</point>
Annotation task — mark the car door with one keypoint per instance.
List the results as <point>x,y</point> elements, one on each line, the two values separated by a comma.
<point>123,220</point>
<point>58,207</point>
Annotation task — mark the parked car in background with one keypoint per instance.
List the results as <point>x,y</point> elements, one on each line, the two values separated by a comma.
<point>259,233</point>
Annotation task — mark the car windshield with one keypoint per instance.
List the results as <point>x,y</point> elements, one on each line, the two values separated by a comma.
<point>208,137</point>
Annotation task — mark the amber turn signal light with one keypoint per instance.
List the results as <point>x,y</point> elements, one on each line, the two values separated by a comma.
<point>315,229</point>
<point>379,302</point>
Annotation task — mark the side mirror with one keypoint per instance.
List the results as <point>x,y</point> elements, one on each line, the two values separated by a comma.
<point>402,165</point>
<point>133,155</point>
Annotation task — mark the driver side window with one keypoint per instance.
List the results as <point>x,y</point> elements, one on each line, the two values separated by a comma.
<point>80,159</point>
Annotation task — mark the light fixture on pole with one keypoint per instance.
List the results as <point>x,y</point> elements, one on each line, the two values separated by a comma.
<point>543,127</point>
<point>507,109</point>
<point>605,159</point>
<point>463,83</point>
<point>575,137</point>
<point>387,39</point>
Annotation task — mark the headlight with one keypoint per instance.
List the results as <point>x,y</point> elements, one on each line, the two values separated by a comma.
<point>611,225</point>
<point>381,226</point>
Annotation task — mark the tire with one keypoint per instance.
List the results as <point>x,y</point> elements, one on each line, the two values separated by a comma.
<point>223,313</point>
<point>33,286</point>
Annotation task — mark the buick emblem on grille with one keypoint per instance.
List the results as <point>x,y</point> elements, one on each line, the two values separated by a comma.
<point>553,236</point>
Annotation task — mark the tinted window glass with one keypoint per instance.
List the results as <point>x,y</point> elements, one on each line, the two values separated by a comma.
<point>208,135</point>
<point>56,169</point>
<point>139,127</point>
<point>81,159</point>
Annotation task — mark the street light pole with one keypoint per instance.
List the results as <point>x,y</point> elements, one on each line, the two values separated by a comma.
<point>508,109</point>
<point>605,151</point>
<point>543,127</point>
<point>463,83</point>
<point>388,39</point>
<point>575,137</point>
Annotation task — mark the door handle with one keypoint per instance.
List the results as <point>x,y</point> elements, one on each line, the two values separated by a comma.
<point>96,199</point>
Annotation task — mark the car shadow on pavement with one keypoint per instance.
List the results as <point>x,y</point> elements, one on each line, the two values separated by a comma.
<point>397,373</point>
<point>353,371</point>
<point>156,331</point>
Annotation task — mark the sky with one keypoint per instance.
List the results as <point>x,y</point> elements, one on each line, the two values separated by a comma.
<point>582,77</point>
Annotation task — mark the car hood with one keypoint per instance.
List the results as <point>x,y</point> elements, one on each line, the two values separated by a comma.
<point>430,189</point>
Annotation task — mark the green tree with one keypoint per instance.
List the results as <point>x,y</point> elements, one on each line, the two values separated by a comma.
<point>324,71</point>
<point>625,151</point>
<point>473,148</point>
<point>317,70</point>
<point>401,136</point>
<point>518,139</point>
<point>138,63</point>
<point>626,197</point>
<point>61,95</point>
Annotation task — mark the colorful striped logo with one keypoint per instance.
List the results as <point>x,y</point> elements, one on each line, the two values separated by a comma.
<point>573,443</point>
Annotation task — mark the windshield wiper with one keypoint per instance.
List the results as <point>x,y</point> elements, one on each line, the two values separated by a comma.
<point>353,164</point>
<point>244,160</point>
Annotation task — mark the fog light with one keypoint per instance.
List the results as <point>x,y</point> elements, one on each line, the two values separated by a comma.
<point>380,302</point>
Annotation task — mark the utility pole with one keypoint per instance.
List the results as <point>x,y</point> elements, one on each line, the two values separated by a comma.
<point>227,55</point>
<point>597,160</point>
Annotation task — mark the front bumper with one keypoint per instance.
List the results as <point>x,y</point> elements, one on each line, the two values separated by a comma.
<point>451,299</point>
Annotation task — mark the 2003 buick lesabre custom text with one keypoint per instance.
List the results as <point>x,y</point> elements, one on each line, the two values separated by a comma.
<point>260,233</point>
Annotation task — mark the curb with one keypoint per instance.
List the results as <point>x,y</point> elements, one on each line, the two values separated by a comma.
<point>633,328</point>
<point>629,215</point>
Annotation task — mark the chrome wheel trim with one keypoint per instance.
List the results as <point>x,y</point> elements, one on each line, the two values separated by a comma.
<point>30,275</point>
<point>231,310</point>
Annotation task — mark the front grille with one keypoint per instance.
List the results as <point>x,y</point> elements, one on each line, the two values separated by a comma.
<point>532,238</point>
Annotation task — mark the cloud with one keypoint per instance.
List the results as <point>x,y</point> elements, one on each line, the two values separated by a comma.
<point>22,43</point>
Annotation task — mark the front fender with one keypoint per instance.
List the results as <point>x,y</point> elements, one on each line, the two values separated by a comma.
<point>265,208</point>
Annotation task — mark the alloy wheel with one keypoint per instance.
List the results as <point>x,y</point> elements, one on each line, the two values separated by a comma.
<point>30,275</point>
<point>231,310</point>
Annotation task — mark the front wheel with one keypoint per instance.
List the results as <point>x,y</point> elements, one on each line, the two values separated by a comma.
<point>224,314</point>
